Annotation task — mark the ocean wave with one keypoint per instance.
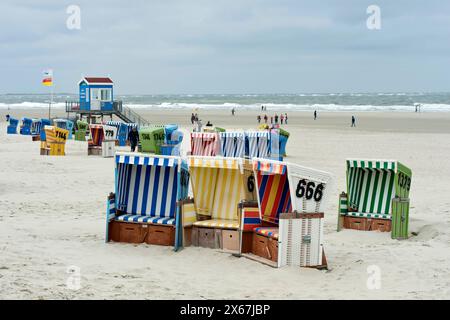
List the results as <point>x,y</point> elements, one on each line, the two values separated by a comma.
<point>425,107</point>
<point>294,107</point>
<point>31,105</point>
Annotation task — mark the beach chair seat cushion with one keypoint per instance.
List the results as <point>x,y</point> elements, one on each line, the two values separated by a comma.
<point>267,232</point>
<point>368,215</point>
<point>146,219</point>
<point>218,223</point>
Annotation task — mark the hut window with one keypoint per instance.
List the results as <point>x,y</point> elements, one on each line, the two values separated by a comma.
<point>105,94</point>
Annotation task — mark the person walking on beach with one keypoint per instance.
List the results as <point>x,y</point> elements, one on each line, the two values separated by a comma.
<point>232,112</point>
<point>271,120</point>
<point>353,121</point>
<point>281,118</point>
<point>276,118</point>
<point>315,114</point>
<point>285,118</point>
<point>258,118</point>
<point>133,137</point>
<point>265,118</point>
<point>192,118</point>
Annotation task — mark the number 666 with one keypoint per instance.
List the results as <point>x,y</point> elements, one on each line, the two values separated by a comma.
<point>309,190</point>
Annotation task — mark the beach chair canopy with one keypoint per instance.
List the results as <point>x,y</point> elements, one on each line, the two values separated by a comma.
<point>273,189</point>
<point>151,138</point>
<point>258,144</point>
<point>149,186</point>
<point>232,144</point>
<point>54,134</point>
<point>36,126</point>
<point>109,132</point>
<point>285,187</point>
<point>205,144</point>
<point>64,124</point>
<point>372,184</point>
<point>27,121</point>
<point>13,121</point>
<point>219,185</point>
<point>169,129</point>
<point>82,125</point>
<point>44,122</point>
<point>97,134</point>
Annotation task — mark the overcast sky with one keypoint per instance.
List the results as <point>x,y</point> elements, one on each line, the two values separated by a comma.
<point>215,46</point>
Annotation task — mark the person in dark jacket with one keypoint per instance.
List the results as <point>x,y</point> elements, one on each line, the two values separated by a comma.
<point>133,137</point>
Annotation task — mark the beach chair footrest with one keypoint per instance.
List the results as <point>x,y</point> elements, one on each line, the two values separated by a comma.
<point>265,247</point>
<point>161,235</point>
<point>367,224</point>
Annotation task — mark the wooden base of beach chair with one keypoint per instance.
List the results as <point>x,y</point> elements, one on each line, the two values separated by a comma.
<point>215,238</point>
<point>265,247</point>
<point>247,241</point>
<point>45,151</point>
<point>94,151</point>
<point>127,232</point>
<point>205,238</point>
<point>161,235</point>
<point>187,236</point>
<point>36,138</point>
<point>140,232</point>
<point>366,224</point>
<point>230,240</point>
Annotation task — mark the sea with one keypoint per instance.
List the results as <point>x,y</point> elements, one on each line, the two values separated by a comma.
<point>335,102</point>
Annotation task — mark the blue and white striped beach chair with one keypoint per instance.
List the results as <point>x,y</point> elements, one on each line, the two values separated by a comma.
<point>147,191</point>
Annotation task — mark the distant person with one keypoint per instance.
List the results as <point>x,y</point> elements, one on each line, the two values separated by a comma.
<point>262,108</point>
<point>209,124</point>
<point>276,118</point>
<point>281,118</point>
<point>353,121</point>
<point>196,117</point>
<point>271,120</point>
<point>258,118</point>
<point>285,118</point>
<point>265,118</point>
<point>315,114</point>
<point>232,112</point>
<point>133,137</point>
<point>192,118</point>
<point>7,117</point>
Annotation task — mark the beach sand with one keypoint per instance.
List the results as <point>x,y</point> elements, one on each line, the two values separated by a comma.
<point>53,216</point>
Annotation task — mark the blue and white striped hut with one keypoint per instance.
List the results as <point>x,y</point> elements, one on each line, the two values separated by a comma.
<point>257,144</point>
<point>147,191</point>
<point>232,144</point>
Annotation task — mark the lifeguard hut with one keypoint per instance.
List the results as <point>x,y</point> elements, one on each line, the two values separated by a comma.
<point>96,99</point>
<point>96,94</point>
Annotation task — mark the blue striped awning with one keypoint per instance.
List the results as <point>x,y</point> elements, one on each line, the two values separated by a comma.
<point>146,160</point>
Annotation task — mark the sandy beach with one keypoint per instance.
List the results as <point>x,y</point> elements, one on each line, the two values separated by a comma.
<point>52,217</point>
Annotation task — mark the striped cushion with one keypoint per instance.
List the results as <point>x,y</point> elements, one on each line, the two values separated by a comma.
<point>267,232</point>
<point>146,219</point>
<point>369,215</point>
<point>216,223</point>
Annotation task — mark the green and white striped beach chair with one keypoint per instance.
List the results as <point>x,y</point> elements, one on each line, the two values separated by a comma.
<point>377,190</point>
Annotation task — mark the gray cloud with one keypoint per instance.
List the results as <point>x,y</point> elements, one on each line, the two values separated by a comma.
<point>204,46</point>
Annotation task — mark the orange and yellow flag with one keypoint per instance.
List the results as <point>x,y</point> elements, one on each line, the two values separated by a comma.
<point>48,78</point>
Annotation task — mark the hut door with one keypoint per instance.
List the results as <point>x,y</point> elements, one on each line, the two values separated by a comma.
<point>95,99</point>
